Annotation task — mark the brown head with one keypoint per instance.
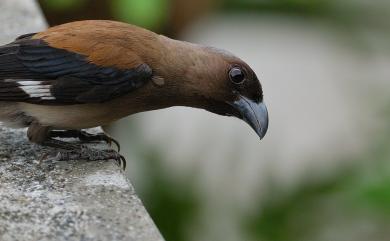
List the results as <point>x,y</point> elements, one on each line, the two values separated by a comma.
<point>214,80</point>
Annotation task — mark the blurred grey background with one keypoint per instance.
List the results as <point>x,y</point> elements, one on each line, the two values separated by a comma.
<point>323,170</point>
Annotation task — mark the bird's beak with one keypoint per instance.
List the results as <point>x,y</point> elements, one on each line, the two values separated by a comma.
<point>253,113</point>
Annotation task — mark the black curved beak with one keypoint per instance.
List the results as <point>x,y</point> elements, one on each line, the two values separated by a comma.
<point>253,113</point>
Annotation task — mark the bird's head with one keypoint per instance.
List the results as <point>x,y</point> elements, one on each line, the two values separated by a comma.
<point>221,83</point>
<point>240,92</point>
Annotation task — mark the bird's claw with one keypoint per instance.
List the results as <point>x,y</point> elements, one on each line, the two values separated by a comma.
<point>89,154</point>
<point>86,137</point>
<point>110,141</point>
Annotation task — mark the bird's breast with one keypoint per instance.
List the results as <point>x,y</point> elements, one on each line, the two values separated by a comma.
<point>70,116</point>
<point>80,116</point>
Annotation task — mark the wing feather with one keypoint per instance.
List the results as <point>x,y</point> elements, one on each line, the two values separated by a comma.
<point>32,71</point>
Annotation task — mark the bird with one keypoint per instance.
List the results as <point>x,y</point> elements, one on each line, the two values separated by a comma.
<point>90,73</point>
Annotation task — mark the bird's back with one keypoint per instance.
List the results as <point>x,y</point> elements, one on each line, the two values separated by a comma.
<point>74,63</point>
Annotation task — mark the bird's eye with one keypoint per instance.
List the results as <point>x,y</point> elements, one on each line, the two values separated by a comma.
<point>236,75</point>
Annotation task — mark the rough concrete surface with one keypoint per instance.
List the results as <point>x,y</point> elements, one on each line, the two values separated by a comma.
<point>75,200</point>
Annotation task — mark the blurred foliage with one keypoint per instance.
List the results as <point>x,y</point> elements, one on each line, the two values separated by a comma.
<point>172,204</point>
<point>348,14</point>
<point>145,13</point>
<point>150,14</point>
<point>273,221</point>
<point>62,5</point>
<point>356,194</point>
<point>172,16</point>
<point>312,7</point>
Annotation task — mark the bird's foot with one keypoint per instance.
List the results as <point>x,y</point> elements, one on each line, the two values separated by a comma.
<point>72,151</point>
<point>90,154</point>
<point>84,136</point>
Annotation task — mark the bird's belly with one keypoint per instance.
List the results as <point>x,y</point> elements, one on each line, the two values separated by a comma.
<point>71,116</point>
<point>11,116</point>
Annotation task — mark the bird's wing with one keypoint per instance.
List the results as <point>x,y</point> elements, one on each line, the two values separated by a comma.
<point>33,71</point>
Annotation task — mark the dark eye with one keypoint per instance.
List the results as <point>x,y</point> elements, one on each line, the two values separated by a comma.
<point>236,75</point>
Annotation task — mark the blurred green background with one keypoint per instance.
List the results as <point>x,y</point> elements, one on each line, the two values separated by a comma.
<point>322,172</point>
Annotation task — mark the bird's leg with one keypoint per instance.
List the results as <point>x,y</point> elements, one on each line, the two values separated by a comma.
<point>84,136</point>
<point>73,151</point>
<point>42,135</point>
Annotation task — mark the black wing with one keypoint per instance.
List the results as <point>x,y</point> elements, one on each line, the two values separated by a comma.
<point>32,71</point>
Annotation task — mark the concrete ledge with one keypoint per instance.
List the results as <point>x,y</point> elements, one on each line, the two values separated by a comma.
<point>60,200</point>
<point>65,200</point>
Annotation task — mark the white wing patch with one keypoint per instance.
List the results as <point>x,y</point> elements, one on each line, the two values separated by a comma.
<point>35,89</point>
